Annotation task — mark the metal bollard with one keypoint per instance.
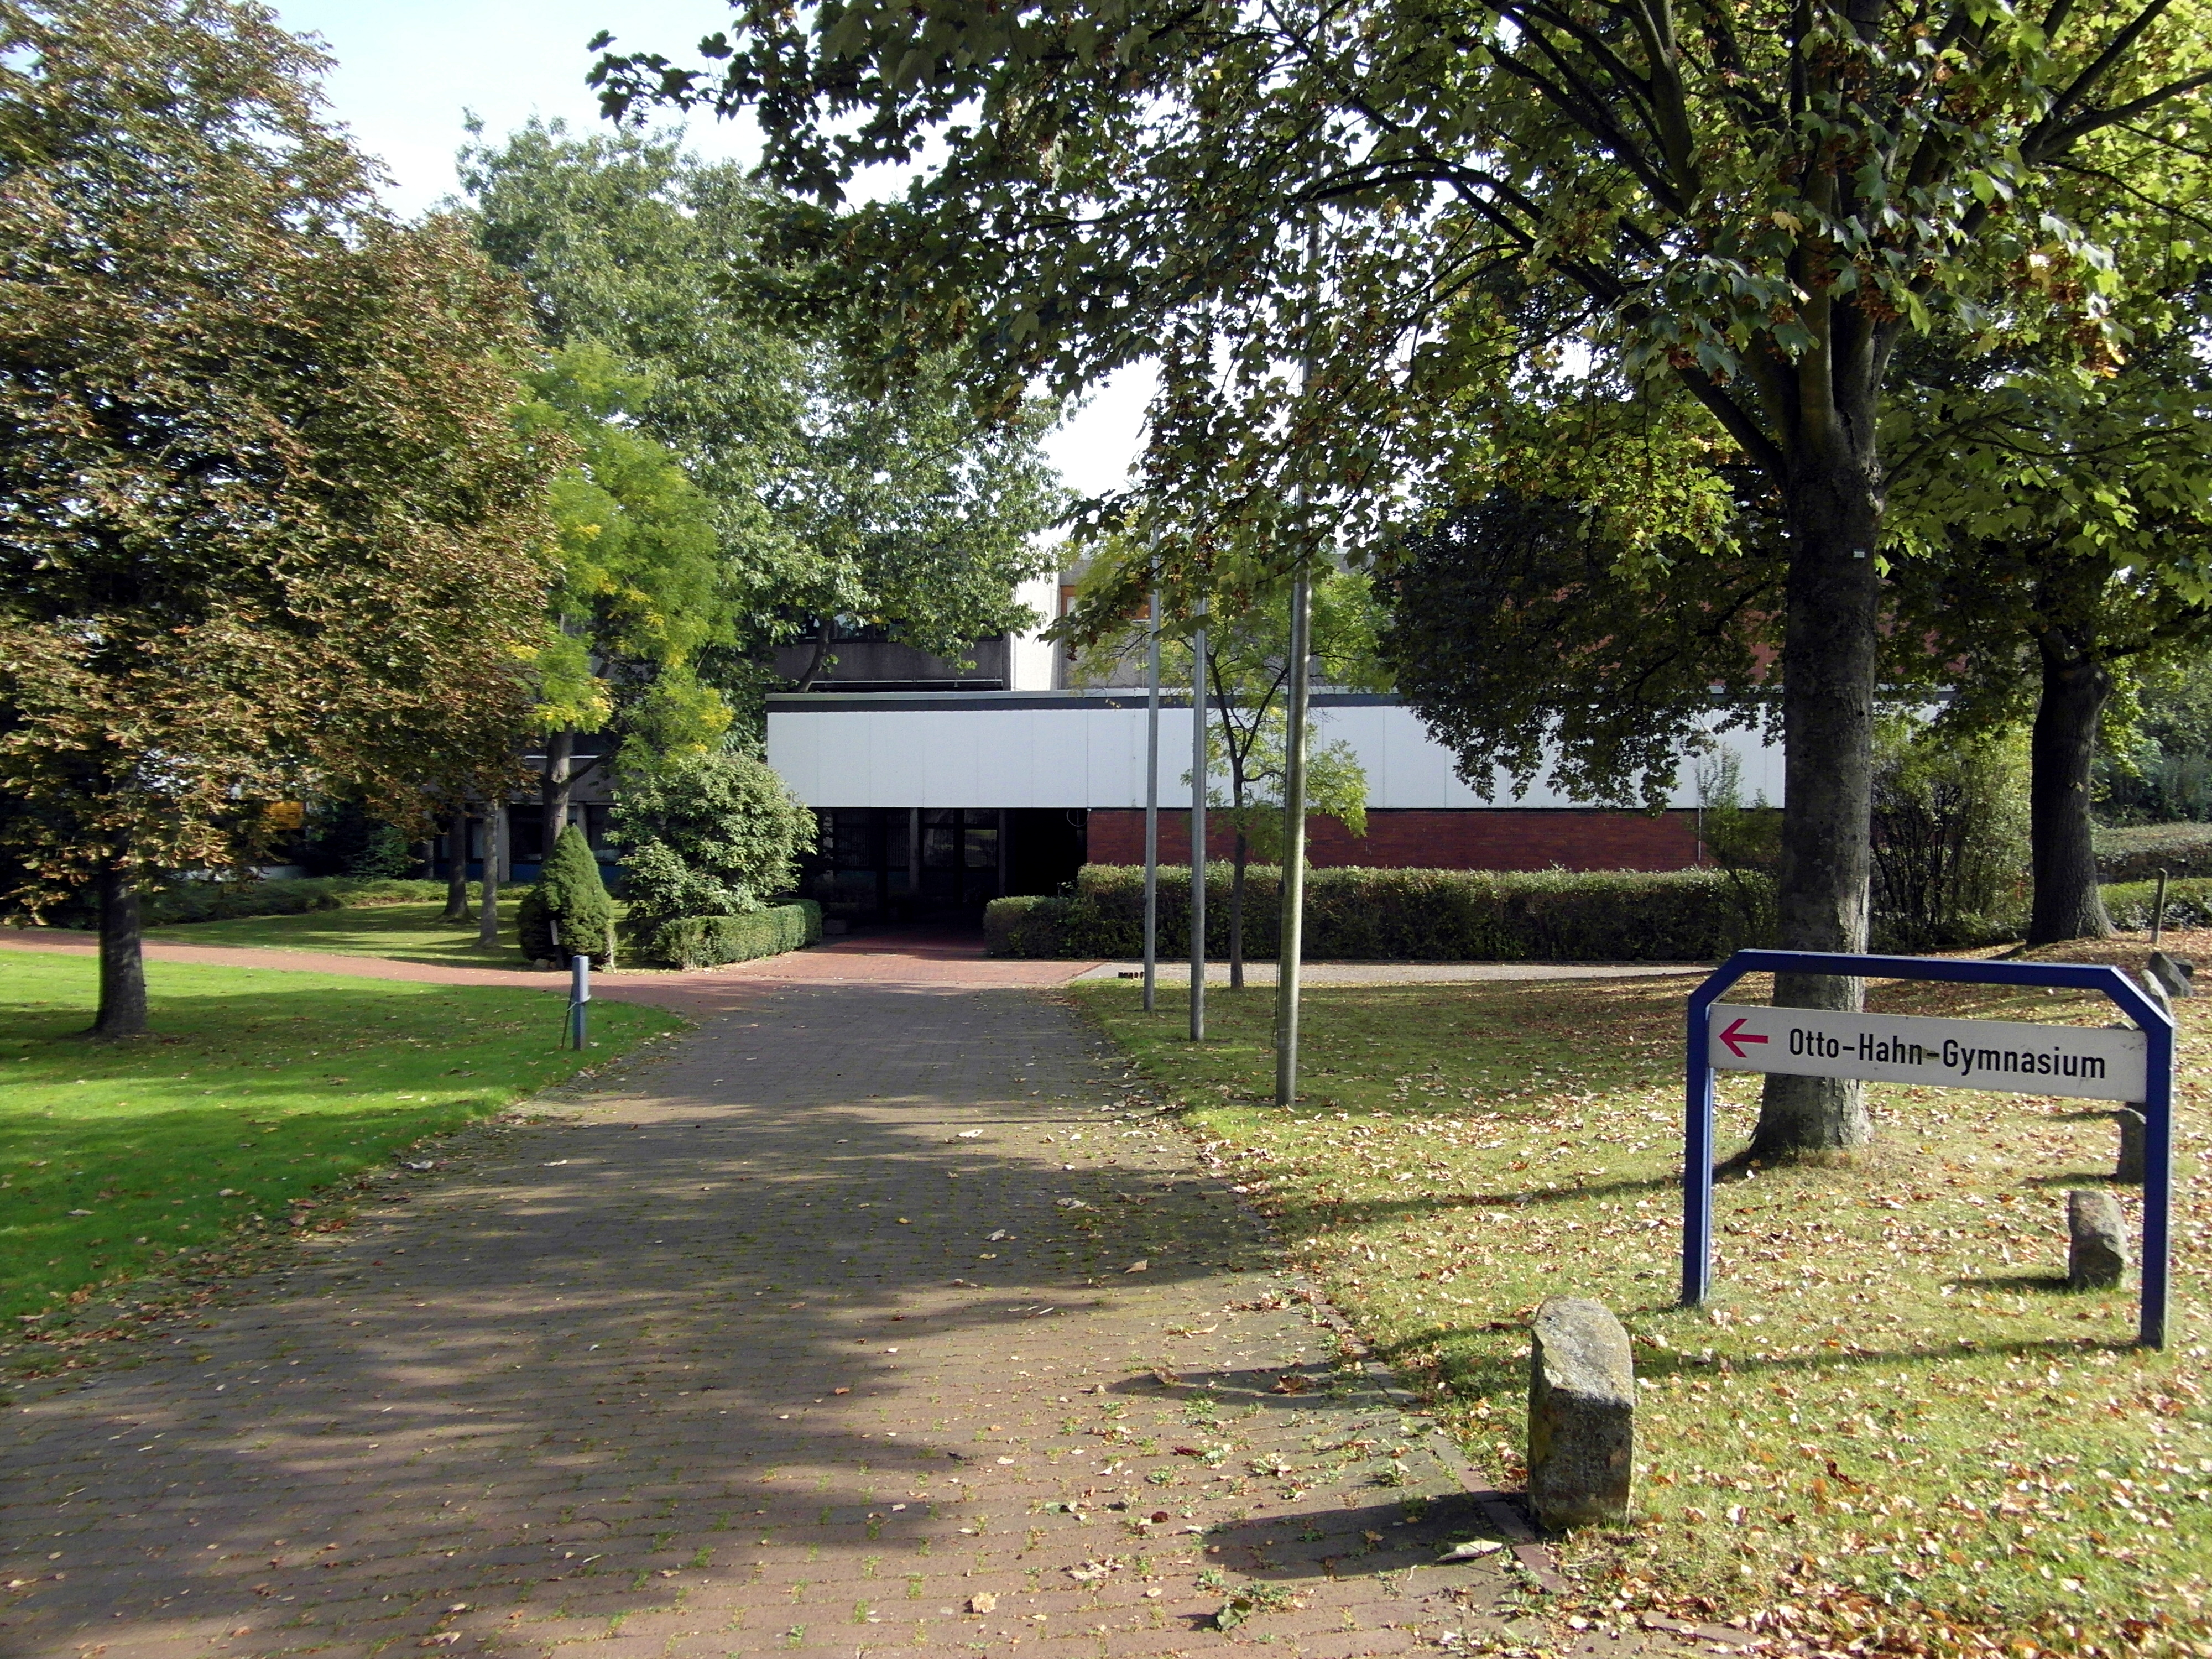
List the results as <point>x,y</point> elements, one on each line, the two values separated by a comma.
<point>580,996</point>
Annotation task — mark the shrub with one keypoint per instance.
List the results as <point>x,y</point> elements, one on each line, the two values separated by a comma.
<point>568,913</point>
<point>707,834</point>
<point>2139,852</point>
<point>708,941</point>
<point>2188,902</point>
<point>1950,837</point>
<point>1355,914</point>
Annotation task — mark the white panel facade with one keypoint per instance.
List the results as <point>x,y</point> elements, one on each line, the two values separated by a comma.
<point>1074,750</point>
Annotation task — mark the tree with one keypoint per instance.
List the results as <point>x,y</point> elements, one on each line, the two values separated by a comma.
<point>1756,203</point>
<point>267,530</point>
<point>2052,523</point>
<point>1524,632</point>
<point>707,834</point>
<point>643,592</point>
<point>892,507</point>
<point>1247,671</point>
<point>567,911</point>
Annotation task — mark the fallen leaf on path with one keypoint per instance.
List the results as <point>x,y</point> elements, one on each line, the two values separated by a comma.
<point>983,1601</point>
<point>1475,1549</point>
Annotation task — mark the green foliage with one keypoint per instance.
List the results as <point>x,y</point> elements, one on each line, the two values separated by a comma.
<point>2159,770</point>
<point>707,834</point>
<point>642,590</point>
<point>907,511</point>
<point>1426,202</point>
<point>1950,836</point>
<point>270,529</point>
<point>2188,902</point>
<point>709,941</point>
<point>1527,634</point>
<point>1402,915</point>
<point>567,913</point>
<point>343,838</point>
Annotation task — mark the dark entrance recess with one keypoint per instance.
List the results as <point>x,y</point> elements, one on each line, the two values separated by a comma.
<point>908,864</point>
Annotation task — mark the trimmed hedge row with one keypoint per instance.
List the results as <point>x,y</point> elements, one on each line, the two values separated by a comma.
<point>177,902</point>
<point>709,941</point>
<point>1355,914</point>
<point>2138,852</point>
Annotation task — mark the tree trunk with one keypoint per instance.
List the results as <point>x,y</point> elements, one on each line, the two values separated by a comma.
<point>1828,665</point>
<point>457,868</point>
<point>1237,913</point>
<point>122,956</point>
<point>495,837</point>
<point>558,784</point>
<point>2062,749</point>
<point>816,664</point>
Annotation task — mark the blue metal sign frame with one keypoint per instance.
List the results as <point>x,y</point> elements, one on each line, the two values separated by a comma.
<point>2157,1105</point>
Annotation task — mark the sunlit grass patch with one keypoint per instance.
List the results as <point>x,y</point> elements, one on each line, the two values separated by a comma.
<point>260,1089</point>
<point>410,932</point>
<point>1892,1402</point>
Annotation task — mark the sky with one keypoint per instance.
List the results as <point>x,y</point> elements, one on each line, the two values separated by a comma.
<point>409,72</point>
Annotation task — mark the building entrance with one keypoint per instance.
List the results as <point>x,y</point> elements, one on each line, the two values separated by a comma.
<point>908,864</point>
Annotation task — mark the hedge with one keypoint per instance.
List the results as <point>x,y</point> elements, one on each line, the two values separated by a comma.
<point>709,941</point>
<point>176,901</point>
<point>2138,852</point>
<point>1356,915</point>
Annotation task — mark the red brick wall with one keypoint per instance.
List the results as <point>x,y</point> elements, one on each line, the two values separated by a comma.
<point>1512,838</point>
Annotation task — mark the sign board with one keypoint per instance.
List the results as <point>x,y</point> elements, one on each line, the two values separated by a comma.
<point>2086,1062</point>
<point>2091,1062</point>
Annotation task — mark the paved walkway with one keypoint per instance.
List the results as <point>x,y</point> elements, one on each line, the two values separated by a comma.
<point>875,1318</point>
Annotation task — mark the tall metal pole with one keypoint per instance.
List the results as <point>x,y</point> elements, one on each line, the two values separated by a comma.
<point>1288,958</point>
<point>1153,806</point>
<point>1289,955</point>
<point>1198,829</point>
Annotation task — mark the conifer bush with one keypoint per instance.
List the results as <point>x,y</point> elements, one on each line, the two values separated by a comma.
<point>568,914</point>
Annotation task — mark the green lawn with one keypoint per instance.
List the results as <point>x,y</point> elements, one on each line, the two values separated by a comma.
<point>1892,1410</point>
<point>409,932</point>
<point>119,1160</point>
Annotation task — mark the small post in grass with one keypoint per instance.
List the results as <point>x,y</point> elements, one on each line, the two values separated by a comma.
<point>2158,912</point>
<point>580,998</point>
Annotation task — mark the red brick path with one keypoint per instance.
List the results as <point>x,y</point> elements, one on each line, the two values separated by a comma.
<point>725,1358</point>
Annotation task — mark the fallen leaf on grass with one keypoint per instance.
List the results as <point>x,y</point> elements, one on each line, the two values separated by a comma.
<point>1140,1265</point>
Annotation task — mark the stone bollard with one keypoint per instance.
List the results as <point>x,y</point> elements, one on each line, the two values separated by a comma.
<point>2134,1132</point>
<point>2174,976</point>
<point>1581,1415</point>
<point>2097,1253</point>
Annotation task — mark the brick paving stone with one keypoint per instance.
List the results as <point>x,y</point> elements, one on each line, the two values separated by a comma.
<point>814,1332</point>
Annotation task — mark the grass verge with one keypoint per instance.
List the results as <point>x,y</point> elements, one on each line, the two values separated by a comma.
<point>405,932</point>
<point>1893,1427</point>
<point>262,1088</point>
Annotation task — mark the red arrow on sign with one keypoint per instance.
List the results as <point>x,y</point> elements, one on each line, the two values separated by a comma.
<point>1735,1036</point>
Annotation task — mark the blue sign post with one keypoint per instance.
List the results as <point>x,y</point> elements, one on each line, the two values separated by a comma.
<point>2083,1062</point>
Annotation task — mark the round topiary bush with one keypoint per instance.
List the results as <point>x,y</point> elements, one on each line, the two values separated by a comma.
<point>568,914</point>
<point>711,834</point>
